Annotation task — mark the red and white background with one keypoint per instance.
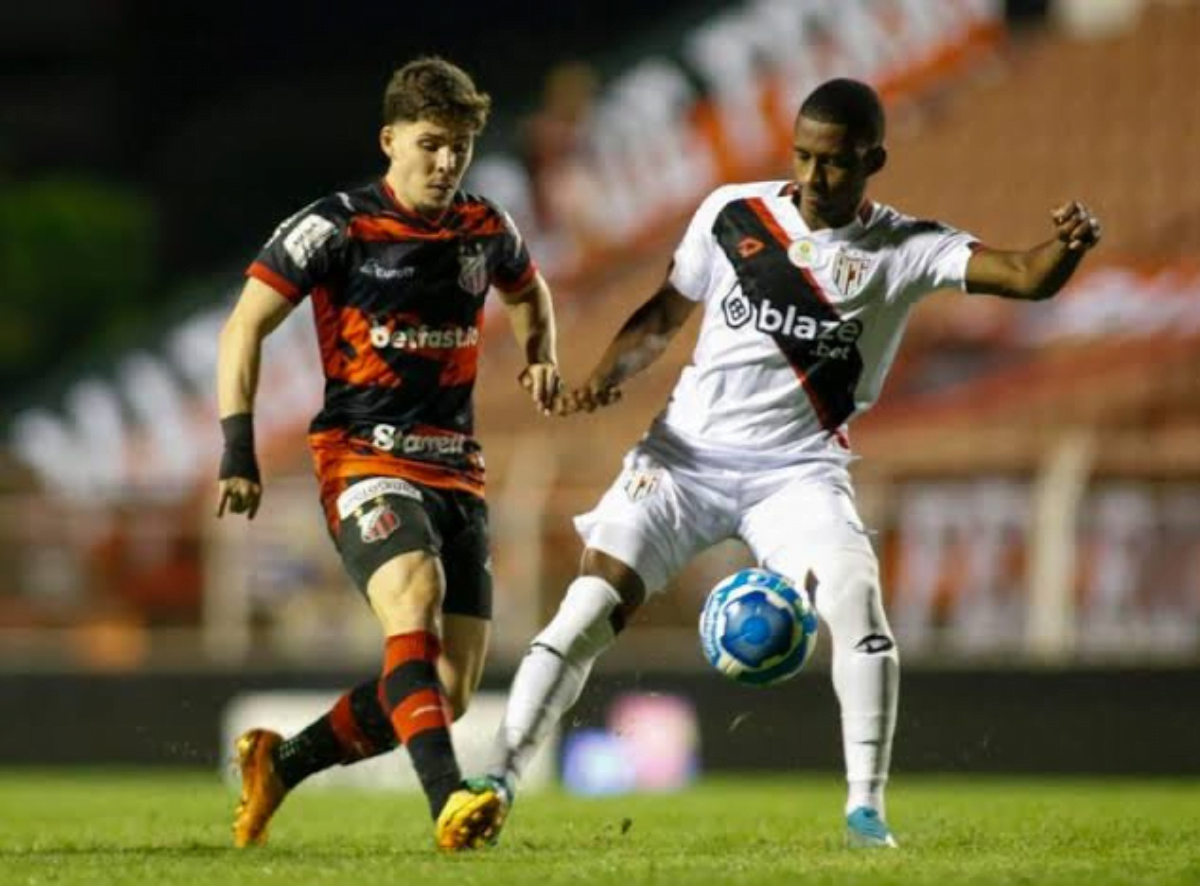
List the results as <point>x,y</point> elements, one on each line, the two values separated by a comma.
<point>1033,471</point>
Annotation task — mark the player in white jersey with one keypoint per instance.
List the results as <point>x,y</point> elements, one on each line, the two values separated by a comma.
<point>806,288</point>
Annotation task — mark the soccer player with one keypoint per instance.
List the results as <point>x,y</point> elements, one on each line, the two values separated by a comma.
<point>398,271</point>
<point>805,287</point>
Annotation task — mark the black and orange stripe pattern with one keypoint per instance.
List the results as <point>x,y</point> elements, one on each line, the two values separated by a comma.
<point>398,305</point>
<point>419,713</point>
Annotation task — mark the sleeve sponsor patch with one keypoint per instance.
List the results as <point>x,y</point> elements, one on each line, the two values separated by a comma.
<point>307,237</point>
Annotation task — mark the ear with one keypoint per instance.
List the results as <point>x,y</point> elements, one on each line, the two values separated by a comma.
<point>386,138</point>
<point>876,159</point>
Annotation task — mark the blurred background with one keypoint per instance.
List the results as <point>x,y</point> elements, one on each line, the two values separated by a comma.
<point>1032,471</point>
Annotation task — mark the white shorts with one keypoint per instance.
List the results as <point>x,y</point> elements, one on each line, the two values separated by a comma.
<point>668,504</point>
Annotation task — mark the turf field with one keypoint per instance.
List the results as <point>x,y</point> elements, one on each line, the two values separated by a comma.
<point>61,828</point>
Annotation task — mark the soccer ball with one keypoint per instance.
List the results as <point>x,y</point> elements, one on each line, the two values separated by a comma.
<point>757,628</point>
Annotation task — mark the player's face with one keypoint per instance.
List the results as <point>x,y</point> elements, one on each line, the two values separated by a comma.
<point>427,163</point>
<point>831,171</point>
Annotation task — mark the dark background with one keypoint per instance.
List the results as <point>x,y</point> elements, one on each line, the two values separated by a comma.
<point>227,114</point>
<point>1097,721</point>
<point>145,147</point>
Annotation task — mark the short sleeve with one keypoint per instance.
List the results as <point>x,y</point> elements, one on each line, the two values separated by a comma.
<point>514,269</point>
<point>303,252</point>
<point>692,265</point>
<point>941,254</point>
<point>935,256</point>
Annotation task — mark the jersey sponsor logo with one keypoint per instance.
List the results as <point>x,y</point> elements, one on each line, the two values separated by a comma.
<point>737,308</point>
<point>377,524</point>
<point>472,268</point>
<point>368,490</point>
<point>415,338</point>
<point>388,438</point>
<point>850,272</point>
<point>372,267</point>
<point>834,338</point>
<point>307,237</point>
<point>817,341</point>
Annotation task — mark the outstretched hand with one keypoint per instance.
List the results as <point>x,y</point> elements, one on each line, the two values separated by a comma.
<point>543,383</point>
<point>593,395</point>
<point>1077,226</point>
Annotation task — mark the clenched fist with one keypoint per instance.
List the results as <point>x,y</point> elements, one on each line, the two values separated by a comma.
<point>1077,226</point>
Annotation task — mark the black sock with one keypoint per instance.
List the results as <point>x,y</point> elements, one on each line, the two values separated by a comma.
<point>314,748</point>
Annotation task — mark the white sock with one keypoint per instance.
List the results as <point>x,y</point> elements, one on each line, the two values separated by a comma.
<point>553,672</point>
<point>866,677</point>
<point>867,686</point>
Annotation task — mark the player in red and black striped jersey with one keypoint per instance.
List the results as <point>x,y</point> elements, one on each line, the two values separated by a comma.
<point>398,272</point>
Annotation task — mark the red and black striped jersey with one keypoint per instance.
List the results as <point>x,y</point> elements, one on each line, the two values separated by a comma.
<point>398,304</point>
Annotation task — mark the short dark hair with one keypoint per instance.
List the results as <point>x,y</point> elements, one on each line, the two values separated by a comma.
<point>849,103</point>
<point>432,88</point>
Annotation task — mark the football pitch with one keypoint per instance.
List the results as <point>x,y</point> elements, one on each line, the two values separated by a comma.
<point>134,827</point>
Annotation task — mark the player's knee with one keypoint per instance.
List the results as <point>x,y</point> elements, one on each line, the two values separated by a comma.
<point>459,699</point>
<point>582,628</point>
<point>848,598</point>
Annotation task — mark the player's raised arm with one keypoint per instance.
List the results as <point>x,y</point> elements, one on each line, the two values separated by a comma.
<point>258,311</point>
<point>1040,272</point>
<point>640,342</point>
<point>531,312</point>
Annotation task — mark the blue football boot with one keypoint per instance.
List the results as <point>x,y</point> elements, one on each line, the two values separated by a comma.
<point>865,829</point>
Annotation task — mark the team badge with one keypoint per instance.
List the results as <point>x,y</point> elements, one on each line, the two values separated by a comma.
<point>378,523</point>
<point>850,272</point>
<point>805,254</point>
<point>472,268</point>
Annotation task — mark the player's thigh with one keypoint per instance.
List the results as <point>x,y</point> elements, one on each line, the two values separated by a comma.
<point>651,519</point>
<point>390,548</point>
<point>810,532</point>
<point>406,592</point>
<point>464,650</point>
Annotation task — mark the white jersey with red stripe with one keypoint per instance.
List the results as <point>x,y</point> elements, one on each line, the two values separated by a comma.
<point>800,327</point>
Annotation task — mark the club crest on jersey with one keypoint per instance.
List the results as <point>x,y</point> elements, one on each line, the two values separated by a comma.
<point>378,523</point>
<point>472,268</point>
<point>850,272</point>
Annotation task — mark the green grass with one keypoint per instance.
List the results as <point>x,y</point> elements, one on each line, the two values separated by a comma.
<point>62,828</point>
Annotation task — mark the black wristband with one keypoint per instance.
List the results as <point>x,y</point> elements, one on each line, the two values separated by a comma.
<point>238,458</point>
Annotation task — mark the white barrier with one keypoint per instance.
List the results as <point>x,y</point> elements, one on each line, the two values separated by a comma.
<point>290,711</point>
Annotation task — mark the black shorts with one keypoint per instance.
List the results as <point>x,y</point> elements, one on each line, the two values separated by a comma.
<point>391,516</point>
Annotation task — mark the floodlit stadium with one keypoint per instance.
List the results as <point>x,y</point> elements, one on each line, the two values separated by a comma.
<point>1025,502</point>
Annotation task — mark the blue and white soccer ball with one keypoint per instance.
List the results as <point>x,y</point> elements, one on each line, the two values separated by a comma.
<point>758,628</point>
